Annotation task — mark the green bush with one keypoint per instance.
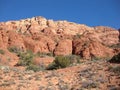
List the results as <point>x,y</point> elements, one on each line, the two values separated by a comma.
<point>14,49</point>
<point>41,54</point>
<point>26,58</point>
<point>33,67</point>
<point>74,59</point>
<point>94,58</point>
<point>115,59</point>
<point>52,66</point>
<point>115,69</point>
<point>77,36</point>
<point>2,51</point>
<point>59,62</point>
<point>115,46</point>
<point>62,61</point>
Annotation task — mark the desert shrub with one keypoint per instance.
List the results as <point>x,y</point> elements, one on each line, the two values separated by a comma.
<point>77,36</point>
<point>115,59</point>
<point>14,49</point>
<point>52,66</point>
<point>50,54</point>
<point>2,51</point>
<point>33,67</point>
<point>115,46</point>
<point>41,54</point>
<point>62,61</point>
<point>95,58</point>
<point>59,62</point>
<point>115,69</point>
<point>26,58</point>
<point>74,59</point>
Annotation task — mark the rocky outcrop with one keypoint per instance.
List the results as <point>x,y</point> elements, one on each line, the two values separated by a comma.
<point>39,44</point>
<point>64,47</point>
<point>59,37</point>
<point>89,49</point>
<point>107,35</point>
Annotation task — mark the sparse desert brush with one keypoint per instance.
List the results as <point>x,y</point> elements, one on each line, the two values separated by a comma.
<point>115,59</point>
<point>63,61</point>
<point>2,51</point>
<point>115,69</point>
<point>33,67</point>
<point>95,58</point>
<point>14,49</point>
<point>59,62</point>
<point>41,54</point>
<point>115,46</point>
<point>26,58</point>
<point>74,59</point>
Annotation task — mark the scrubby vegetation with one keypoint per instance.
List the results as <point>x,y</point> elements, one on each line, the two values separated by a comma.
<point>115,59</point>
<point>2,51</point>
<point>33,67</point>
<point>14,49</point>
<point>115,69</point>
<point>63,61</point>
<point>39,54</point>
<point>115,46</point>
<point>77,36</point>
<point>26,58</point>
<point>59,62</point>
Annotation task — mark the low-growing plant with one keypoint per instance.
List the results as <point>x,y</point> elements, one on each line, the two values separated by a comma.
<point>115,69</point>
<point>74,59</point>
<point>52,66</point>
<point>33,67</point>
<point>62,61</point>
<point>94,58</point>
<point>59,62</point>
<point>41,54</point>
<point>77,36</point>
<point>2,51</point>
<point>115,59</point>
<point>14,49</point>
<point>26,58</point>
<point>115,46</point>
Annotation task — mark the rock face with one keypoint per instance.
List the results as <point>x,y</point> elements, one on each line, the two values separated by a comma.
<point>88,48</point>
<point>59,37</point>
<point>108,35</point>
<point>64,47</point>
<point>39,44</point>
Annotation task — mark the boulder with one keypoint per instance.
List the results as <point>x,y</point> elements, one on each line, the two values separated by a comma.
<point>64,47</point>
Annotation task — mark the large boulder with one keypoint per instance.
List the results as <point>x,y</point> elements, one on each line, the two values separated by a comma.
<point>64,47</point>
